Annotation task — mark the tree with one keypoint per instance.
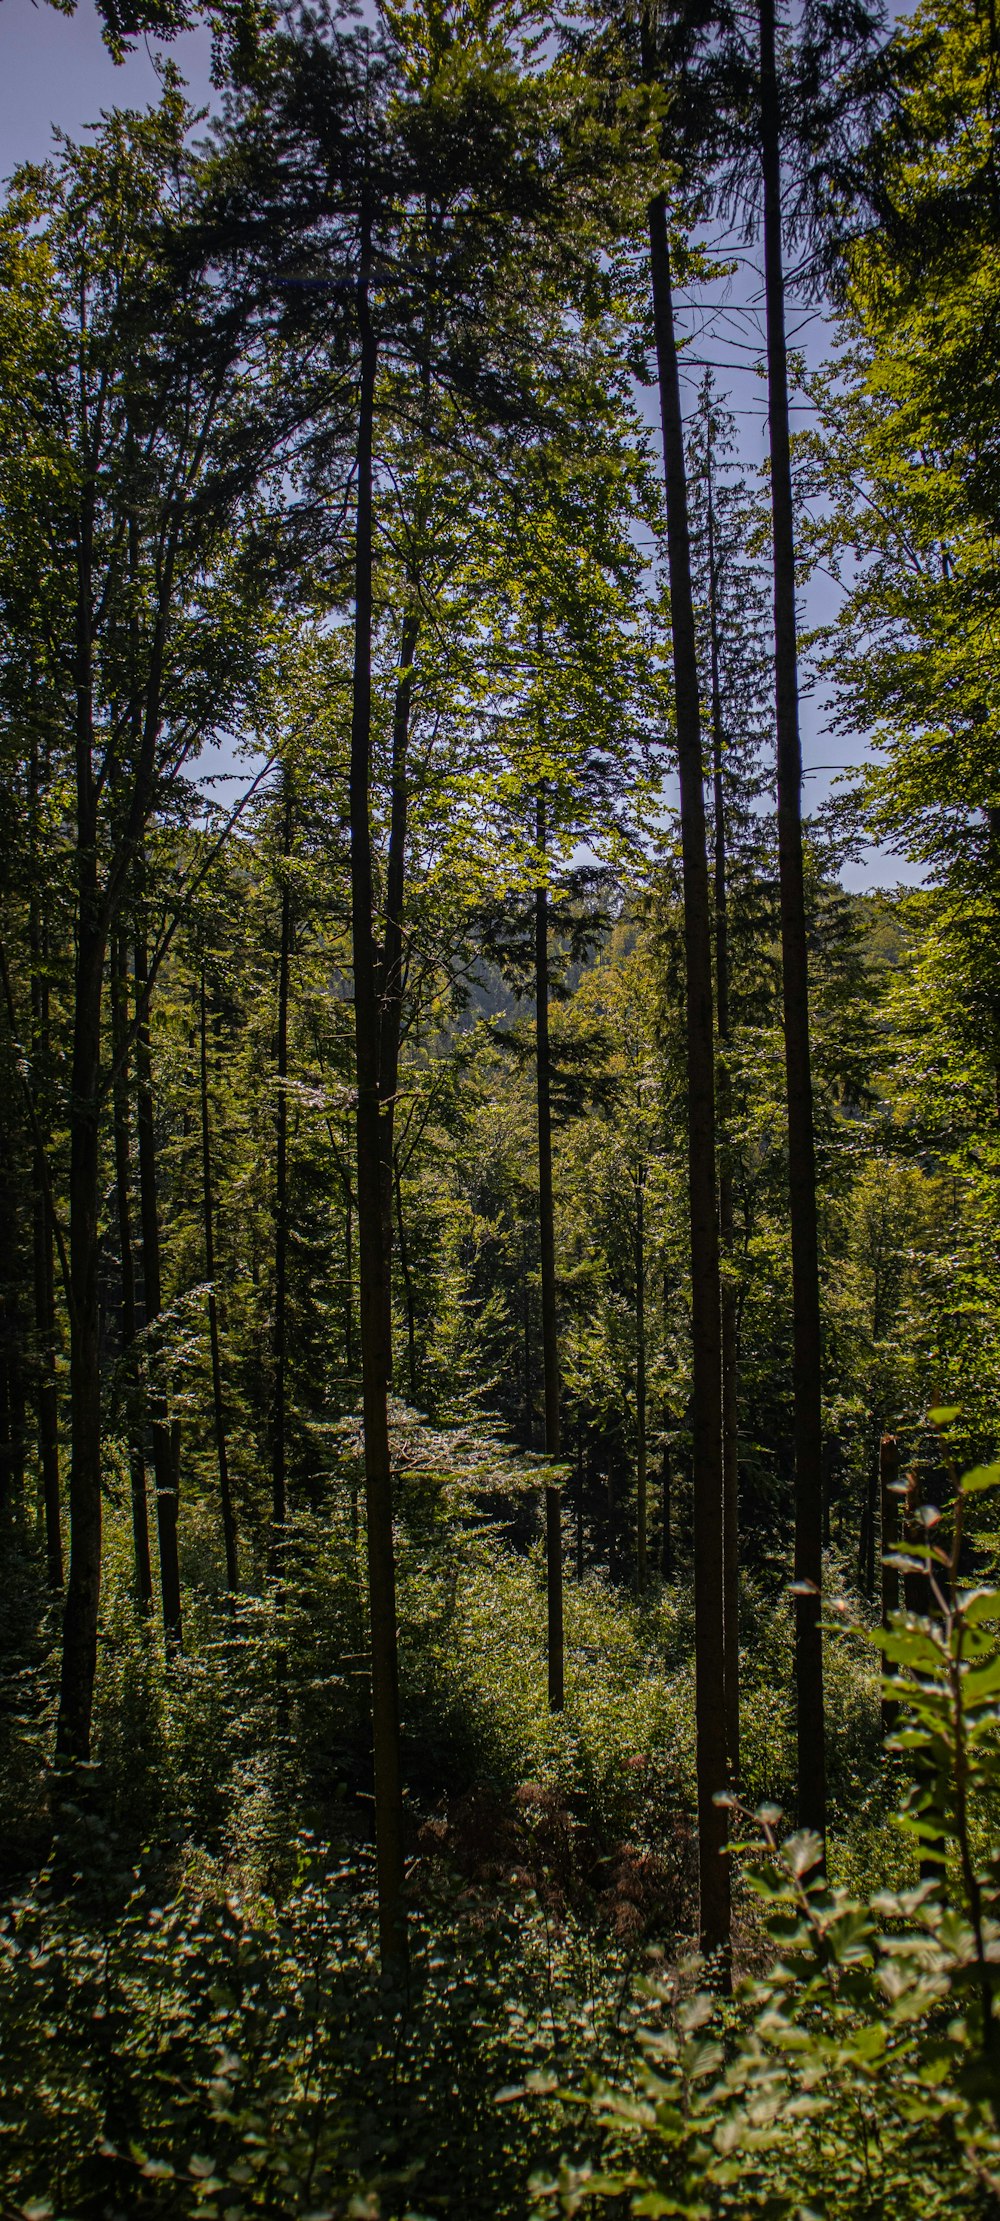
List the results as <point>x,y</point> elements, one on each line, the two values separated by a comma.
<point>127,464</point>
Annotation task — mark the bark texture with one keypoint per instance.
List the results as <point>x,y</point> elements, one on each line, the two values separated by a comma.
<point>806,1331</point>
<point>729,1317</point>
<point>547,1241</point>
<point>373,1261</point>
<point>208,1223</point>
<point>710,1710</point>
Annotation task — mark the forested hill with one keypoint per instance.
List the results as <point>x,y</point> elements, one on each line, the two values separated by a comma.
<point>499,1239</point>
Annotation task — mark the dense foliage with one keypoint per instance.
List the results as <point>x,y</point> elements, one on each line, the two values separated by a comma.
<point>406,1509</point>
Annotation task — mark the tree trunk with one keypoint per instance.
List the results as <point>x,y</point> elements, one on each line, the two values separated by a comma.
<point>866,1539</point>
<point>83,1586</point>
<point>218,1406</point>
<point>666,1537</point>
<point>710,1709</point>
<point>123,1195</point>
<point>807,1342</point>
<point>348,1266</point>
<point>164,1454</point>
<point>42,1244</point>
<point>404,1260</point>
<point>12,1398</point>
<point>730,1352</point>
<point>390,978</point>
<point>279,1504</point>
<point>546,1225</point>
<point>373,1262</point>
<point>579,1494</point>
<point>642,1516</point>
<point>529,1401</point>
<point>888,1478</point>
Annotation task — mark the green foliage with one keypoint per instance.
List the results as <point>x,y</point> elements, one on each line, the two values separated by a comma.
<point>861,2074</point>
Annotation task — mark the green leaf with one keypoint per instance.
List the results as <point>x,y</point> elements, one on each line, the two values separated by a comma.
<point>979,1479</point>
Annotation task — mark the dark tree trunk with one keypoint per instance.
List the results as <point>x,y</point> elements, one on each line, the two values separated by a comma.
<point>12,1396</point>
<point>888,1479</point>
<point>404,1261</point>
<point>580,1455</point>
<point>666,1537</point>
<point>279,1503</point>
<point>730,1351</point>
<point>47,1397</point>
<point>391,975</point>
<point>642,1514</point>
<point>373,1261</point>
<point>529,1401</point>
<point>123,1196</point>
<point>349,1268</point>
<point>866,1537</point>
<point>218,1405</point>
<point>42,1246</point>
<point>705,1277</point>
<point>164,1447</point>
<point>83,1586</point>
<point>547,1237</point>
<point>807,1341</point>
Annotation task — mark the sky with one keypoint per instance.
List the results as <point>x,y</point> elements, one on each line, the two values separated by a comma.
<point>55,71</point>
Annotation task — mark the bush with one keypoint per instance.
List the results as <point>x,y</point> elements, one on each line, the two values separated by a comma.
<point>861,2077</point>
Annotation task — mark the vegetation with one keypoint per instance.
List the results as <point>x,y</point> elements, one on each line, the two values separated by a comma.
<point>498,1363</point>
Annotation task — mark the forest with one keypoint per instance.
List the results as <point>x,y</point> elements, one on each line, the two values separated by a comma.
<point>499,1190</point>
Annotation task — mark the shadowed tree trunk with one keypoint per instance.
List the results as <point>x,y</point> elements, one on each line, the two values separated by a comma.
<point>391,971</point>
<point>208,1225</point>
<point>888,1479</point>
<point>123,1194</point>
<point>12,1397</point>
<point>580,1455</point>
<point>806,1332</point>
<point>546,1225</point>
<point>666,1537</point>
<point>714,1879</point>
<point>404,1261</point>
<point>373,1260</point>
<point>642,1513</point>
<point>164,1440</point>
<point>279,1494</point>
<point>83,1586</point>
<point>730,1353</point>
<point>42,1234</point>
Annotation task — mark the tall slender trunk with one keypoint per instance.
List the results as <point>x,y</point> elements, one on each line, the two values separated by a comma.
<point>123,1196</point>
<point>729,1320</point>
<point>163,1438</point>
<point>279,1503</point>
<point>47,1404</point>
<point>889,1481</point>
<point>12,1397</point>
<point>666,1536</point>
<point>710,1710</point>
<point>208,1220</point>
<point>579,1493</point>
<point>642,1513</point>
<point>806,1332</point>
<point>83,1585</point>
<point>390,976</point>
<point>529,1401</point>
<point>349,1274</point>
<point>404,1260</point>
<point>47,1396</point>
<point>546,1225</point>
<point>374,1349</point>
